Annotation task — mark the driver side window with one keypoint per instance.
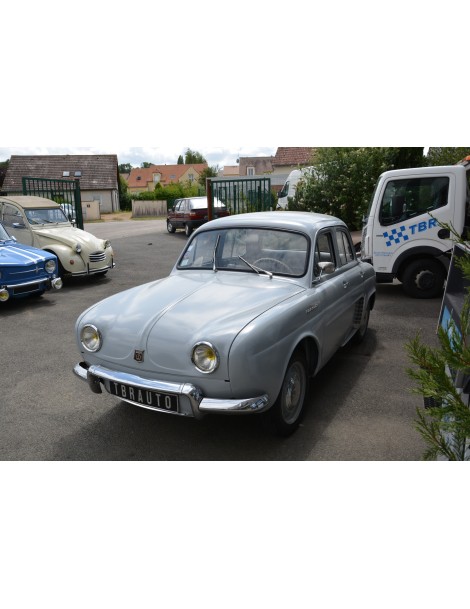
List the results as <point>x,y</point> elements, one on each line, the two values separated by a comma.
<point>324,252</point>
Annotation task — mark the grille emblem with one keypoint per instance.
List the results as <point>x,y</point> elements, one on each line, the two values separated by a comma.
<point>139,356</point>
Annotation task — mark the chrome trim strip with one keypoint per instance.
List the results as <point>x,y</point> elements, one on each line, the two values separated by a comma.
<point>28,283</point>
<point>95,375</point>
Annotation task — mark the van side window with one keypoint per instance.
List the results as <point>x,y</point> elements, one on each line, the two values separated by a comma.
<point>324,251</point>
<point>407,198</point>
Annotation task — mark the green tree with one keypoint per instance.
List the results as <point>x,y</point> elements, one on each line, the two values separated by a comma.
<point>446,156</point>
<point>146,165</point>
<point>445,423</point>
<point>209,172</point>
<point>125,168</point>
<point>344,180</point>
<point>125,199</point>
<point>193,158</point>
<point>180,160</point>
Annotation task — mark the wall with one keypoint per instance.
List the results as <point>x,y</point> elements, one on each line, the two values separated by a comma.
<point>141,209</point>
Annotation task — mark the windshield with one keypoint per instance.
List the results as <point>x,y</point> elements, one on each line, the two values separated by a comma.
<point>4,236</point>
<point>248,250</point>
<point>46,216</point>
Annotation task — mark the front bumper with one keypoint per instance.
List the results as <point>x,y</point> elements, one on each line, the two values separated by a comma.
<point>191,399</point>
<point>30,287</point>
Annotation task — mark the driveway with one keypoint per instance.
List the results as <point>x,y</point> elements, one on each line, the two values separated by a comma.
<point>361,405</point>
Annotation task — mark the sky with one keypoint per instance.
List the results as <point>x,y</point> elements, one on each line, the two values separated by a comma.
<point>167,155</point>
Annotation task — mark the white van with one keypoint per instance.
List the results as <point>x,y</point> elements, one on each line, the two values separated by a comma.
<point>290,187</point>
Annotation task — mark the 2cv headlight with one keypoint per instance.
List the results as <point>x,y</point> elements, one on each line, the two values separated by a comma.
<point>91,338</point>
<point>205,358</point>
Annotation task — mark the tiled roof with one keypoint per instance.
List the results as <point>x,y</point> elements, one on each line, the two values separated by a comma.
<point>169,173</point>
<point>286,157</point>
<point>98,172</point>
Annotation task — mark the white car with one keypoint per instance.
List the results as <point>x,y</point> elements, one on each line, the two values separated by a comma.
<point>42,223</point>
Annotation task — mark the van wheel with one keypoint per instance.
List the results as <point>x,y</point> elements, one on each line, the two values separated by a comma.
<point>188,230</point>
<point>170,228</point>
<point>286,414</point>
<point>424,278</point>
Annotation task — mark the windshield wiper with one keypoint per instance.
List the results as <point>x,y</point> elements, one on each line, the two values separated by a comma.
<point>256,268</point>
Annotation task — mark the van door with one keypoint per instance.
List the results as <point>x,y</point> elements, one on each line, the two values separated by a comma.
<point>409,214</point>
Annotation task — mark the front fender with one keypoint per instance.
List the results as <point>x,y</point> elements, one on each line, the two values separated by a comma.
<point>69,259</point>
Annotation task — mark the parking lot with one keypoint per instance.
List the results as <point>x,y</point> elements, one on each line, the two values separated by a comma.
<point>360,406</point>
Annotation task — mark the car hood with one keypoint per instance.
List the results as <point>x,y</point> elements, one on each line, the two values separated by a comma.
<point>69,235</point>
<point>165,319</point>
<point>15,254</point>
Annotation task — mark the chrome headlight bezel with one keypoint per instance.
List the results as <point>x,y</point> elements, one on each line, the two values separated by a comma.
<point>91,338</point>
<point>78,248</point>
<point>50,267</point>
<point>205,357</point>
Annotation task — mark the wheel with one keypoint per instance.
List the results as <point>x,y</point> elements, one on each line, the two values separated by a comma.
<point>424,278</point>
<point>362,330</point>
<point>188,230</point>
<point>276,264</point>
<point>170,228</point>
<point>288,410</point>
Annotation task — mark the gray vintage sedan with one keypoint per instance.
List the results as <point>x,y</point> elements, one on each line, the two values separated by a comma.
<point>256,305</point>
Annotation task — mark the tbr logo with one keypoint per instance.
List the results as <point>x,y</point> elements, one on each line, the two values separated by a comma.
<point>397,235</point>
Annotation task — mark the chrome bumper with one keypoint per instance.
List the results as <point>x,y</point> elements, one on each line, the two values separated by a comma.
<point>50,283</point>
<point>195,405</point>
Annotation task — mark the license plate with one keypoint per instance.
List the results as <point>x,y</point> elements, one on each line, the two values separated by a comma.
<point>145,398</point>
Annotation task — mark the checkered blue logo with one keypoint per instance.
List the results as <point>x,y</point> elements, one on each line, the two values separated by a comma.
<point>396,236</point>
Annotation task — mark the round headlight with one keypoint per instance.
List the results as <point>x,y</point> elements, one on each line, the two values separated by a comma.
<point>50,266</point>
<point>205,358</point>
<point>107,244</point>
<point>78,248</point>
<point>4,295</point>
<point>91,338</point>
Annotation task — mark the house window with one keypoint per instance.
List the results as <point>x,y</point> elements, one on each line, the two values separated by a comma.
<point>191,178</point>
<point>139,178</point>
<point>250,171</point>
<point>78,174</point>
<point>66,174</point>
<point>156,178</point>
<point>173,177</point>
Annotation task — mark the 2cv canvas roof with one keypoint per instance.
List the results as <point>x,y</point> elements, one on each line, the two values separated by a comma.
<point>31,202</point>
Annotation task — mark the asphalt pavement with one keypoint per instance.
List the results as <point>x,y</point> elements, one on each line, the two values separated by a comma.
<point>361,406</point>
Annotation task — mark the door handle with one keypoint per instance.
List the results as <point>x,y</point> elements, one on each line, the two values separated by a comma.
<point>345,285</point>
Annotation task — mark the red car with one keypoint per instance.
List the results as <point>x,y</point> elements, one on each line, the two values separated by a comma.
<point>189,214</point>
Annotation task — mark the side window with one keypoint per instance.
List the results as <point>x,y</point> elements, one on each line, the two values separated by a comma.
<point>344,248</point>
<point>407,198</point>
<point>324,251</point>
<point>12,217</point>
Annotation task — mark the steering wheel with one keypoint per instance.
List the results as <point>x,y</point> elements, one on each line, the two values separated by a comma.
<point>275,263</point>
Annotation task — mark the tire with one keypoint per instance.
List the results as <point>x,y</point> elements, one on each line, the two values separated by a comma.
<point>424,278</point>
<point>170,228</point>
<point>188,230</point>
<point>286,414</point>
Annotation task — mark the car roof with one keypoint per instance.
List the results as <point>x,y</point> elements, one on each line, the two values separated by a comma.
<point>291,220</point>
<point>31,202</point>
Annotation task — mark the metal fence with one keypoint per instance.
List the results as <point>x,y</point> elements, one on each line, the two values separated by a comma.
<point>60,191</point>
<point>243,195</point>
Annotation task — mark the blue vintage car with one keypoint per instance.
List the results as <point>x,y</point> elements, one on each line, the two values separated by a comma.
<point>255,306</point>
<point>25,270</point>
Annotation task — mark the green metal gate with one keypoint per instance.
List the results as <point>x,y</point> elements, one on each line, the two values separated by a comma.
<point>242,195</point>
<point>60,191</point>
